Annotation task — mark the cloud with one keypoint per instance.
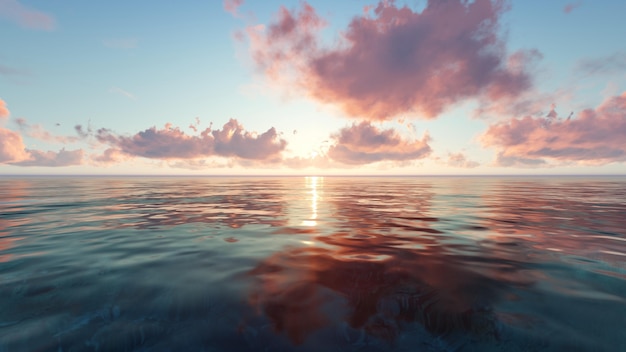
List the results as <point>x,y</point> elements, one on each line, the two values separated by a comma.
<point>4,111</point>
<point>396,61</point>
<point>13,151</point>
<point>37,131</point>
<point>571,6</point>
<point>52,159</point>
<point>120,91</point>
<point>364,144</point>
<point>460,160</point>
<point>10,71</point>
<point>172,143</point>
<point>28,18</point>
<point>109,156</point>
<point>614,63</point>
<point>232,6</point>
<point>594,136</point>
<point>12,147</point>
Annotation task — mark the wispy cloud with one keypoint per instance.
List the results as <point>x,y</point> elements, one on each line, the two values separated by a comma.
<point>593,136</point>
<point>26,17</point>
<point>52,159</point>
<point>232,6</point>
<point>614,63</point>
<point>37,131</point>
<point>460,160</point>
<point>396,61</point>
<point>572,6</point>
<point>121,91</point>
<point>10,71</point>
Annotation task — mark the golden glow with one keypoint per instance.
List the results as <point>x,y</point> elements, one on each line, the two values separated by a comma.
<point>312,183</point>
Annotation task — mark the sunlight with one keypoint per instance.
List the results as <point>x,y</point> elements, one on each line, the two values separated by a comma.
<point>312,183</point>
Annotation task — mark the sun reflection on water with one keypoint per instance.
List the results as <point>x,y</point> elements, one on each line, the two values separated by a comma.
<point>312,184</point>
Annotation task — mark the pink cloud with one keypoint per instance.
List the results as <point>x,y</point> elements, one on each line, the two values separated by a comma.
<point>571,6</point>
<point>364,144</point>
<point>12,147</point>
<point>4,111</point>
<point>397,61</point>
<point>460,160</point>
<point>109,156</point>
<point>52,159</point>
<point>37,131</point>
<point>233,140</point>
<point>13,151</point>
<point>172,143</point>
<point>26,17</point>
<point>232,6</point>
<point>594,136</point>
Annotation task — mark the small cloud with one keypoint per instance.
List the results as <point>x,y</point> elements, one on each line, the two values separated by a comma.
<point>10,71</point>
<point>460,160</point>
<point>365,144</point>
<point>12,147</point>
<point>127,94</point>
<point>109,156</point>
<point>121,43</point>
<point>37,131</point>
<point>4,111</point>
<point>571,6</point>
<point>614,63</point>
<point>26,17</point>
<point>232,6</point>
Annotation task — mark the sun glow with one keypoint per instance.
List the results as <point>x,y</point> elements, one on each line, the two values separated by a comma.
<point>312,184</point>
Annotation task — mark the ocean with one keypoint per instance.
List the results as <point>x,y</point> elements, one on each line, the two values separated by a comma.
<point>312,264</point>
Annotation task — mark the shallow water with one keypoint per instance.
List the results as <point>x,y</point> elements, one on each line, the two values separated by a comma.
<point>312,264</point>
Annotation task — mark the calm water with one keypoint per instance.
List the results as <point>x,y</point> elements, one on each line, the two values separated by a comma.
<point>312,264</point>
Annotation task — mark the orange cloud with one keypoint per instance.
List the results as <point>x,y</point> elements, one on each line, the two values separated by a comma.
<point>12,147</point>
<point>396,61</point>
<point>4,111</point>
<point>594,136</point>
<point>13,151</point>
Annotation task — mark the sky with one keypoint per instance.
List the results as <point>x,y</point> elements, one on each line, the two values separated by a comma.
<point>243,87</point>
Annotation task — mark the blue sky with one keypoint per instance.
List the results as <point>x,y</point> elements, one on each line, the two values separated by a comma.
<point>119,69</point>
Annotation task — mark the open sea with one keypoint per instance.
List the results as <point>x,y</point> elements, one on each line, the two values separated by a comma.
<point>312,264</point>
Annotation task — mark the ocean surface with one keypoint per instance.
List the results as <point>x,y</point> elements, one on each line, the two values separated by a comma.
<point>312,264</point>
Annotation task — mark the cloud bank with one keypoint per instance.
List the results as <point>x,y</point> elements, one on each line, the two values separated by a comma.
<point>398,60</point>
<point>594,136</point>
<point>170,142</point>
